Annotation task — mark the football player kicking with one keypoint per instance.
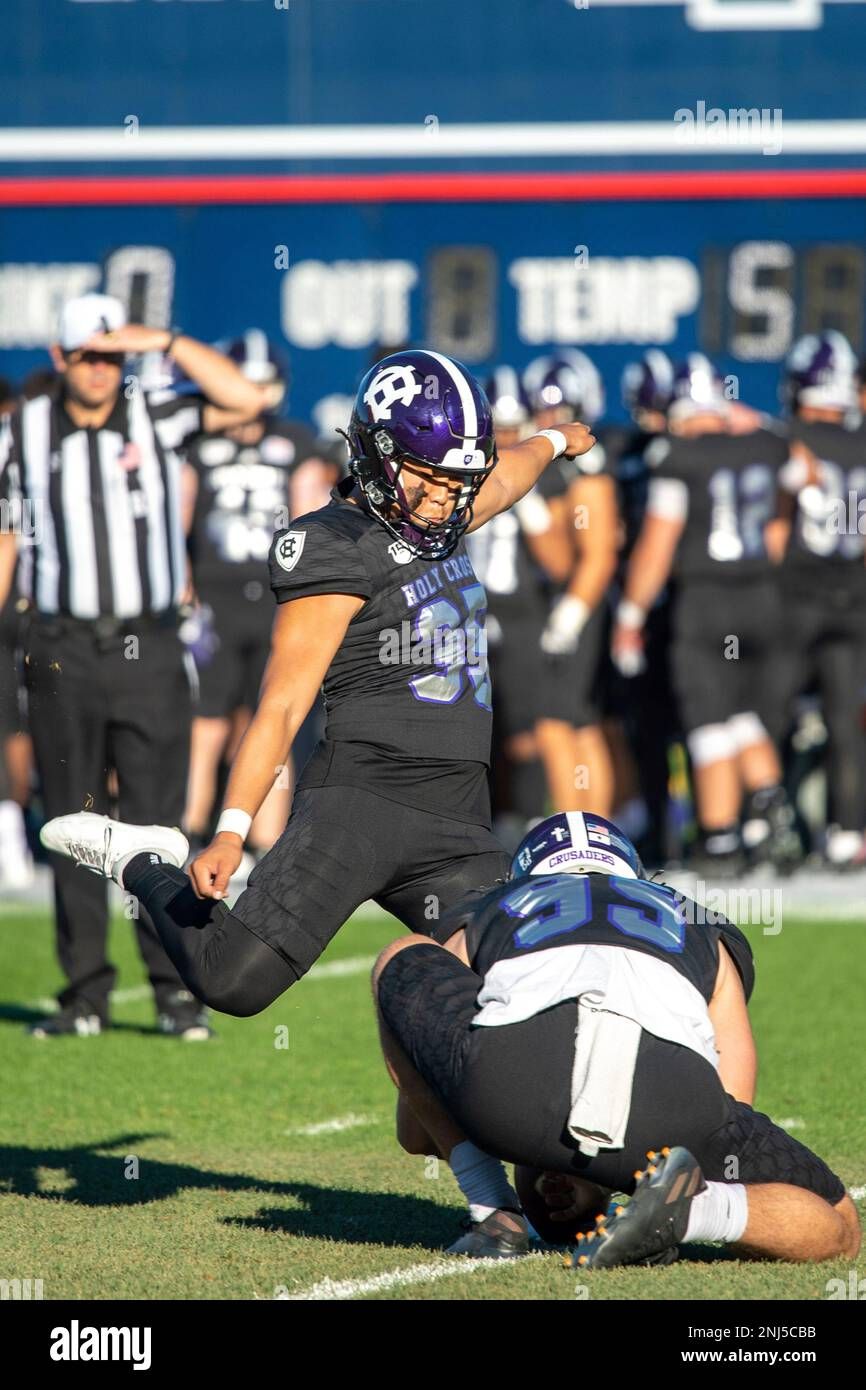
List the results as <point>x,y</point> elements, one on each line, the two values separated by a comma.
<point>573,1020</point>
<point>377,599</point>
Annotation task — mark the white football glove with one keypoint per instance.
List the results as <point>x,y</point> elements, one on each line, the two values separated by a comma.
<point>568,617</point>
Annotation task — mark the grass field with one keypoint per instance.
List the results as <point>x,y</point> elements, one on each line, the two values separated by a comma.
<point>266,1170</point>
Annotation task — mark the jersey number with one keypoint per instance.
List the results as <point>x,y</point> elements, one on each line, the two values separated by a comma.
<point>463,646</point>
<point>648,911</point>
<point>741,507</point>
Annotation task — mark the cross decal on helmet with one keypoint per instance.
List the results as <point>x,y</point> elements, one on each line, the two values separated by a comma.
<point>392,384</point>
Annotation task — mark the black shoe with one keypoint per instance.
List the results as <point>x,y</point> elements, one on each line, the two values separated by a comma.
<point>182,1016</point>
<point>770,831</point>
<point>76,1020</point>
<point>648,1230</point>
<point>717,854</point>
<point>494,1238</point>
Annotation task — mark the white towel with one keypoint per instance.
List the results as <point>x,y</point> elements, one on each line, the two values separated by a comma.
<point>605,1054</point>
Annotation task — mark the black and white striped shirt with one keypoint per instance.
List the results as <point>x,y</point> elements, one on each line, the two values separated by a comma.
<point>99,510</point>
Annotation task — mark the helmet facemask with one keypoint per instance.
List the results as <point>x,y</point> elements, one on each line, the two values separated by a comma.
<point>377,462</point>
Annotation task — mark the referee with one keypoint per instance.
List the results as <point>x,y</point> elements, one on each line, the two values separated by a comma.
<point>91,482</point>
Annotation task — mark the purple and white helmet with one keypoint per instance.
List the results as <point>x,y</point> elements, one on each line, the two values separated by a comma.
<point>420,407</point>
<point>260,361</point>
<point>697,389</point>
<point>576,842</point>
<point>821,370</point>
<point>565,378</point>
<point>509,402</point>
<point>647,384</point>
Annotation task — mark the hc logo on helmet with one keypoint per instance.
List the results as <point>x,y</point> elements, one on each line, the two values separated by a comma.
<point>392,384</point>
<point>289,549</point>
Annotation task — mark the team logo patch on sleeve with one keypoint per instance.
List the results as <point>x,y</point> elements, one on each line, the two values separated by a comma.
<point>290,548</point>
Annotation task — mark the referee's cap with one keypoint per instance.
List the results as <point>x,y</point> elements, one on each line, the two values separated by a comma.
<point>87,314</point>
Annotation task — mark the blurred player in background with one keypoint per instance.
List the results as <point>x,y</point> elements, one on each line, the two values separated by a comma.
<point>240,487</point>
<point>711,498</point>
<point>516,556</point>
<point>823,576</point>
<point>641,695</point>
<point>574,642</point>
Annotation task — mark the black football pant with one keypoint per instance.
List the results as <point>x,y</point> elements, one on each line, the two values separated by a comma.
<point>97,704</point>
<point>341,847</point>
<point>826,642</point>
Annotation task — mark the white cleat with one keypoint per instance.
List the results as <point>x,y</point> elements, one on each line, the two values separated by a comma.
<point>99,843</point>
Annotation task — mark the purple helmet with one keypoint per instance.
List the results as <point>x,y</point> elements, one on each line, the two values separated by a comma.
<point>646,385</point>
<point>509,402</point>
<point>260,361</point>
<point>566,378</point>
<point>576,842</point>
<point>697,388</point>
<point>821,370</point>
<point>420,407</point>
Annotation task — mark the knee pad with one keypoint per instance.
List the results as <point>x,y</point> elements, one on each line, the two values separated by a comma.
<point>746,730</point>
<point>712,743</point>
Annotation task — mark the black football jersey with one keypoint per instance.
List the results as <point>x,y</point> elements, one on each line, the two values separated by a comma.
<point>830,518</point>
<point>731,483</point>
<point>242,499</point>
<point>408,689</point>
<point>536,913</point>
<point>517,588</point>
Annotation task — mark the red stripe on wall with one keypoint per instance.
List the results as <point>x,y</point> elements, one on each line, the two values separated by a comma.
<point>690,185</point>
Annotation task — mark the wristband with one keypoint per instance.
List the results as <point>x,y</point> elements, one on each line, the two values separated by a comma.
<point>630,614</point>
<point>174,334</point>
<point>556,438</point>
<point>235,822</point>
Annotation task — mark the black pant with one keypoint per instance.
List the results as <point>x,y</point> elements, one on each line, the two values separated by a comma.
<point>97,704</point>
<point>342,845</point>
<point>825,637</point>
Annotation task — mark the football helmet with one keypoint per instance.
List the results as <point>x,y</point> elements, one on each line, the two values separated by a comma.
<point>509,403</point>
<point>423,408</point>
<point>697,388</point>
<point>821,370</point>
<point>646,384</point>
<point>576,842</point>
<point>261,362</point>
<point>566,378</point>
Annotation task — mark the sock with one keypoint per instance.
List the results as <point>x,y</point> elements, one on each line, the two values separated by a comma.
<point>721,840</point>
<point>147,858</point>
<point>719,1213</point>
<point>482,1180</point>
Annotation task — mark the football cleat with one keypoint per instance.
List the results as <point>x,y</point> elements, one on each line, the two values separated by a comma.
<point>494,1238</point>
<point>73,1021</point>
<point>649,1229</point>
<point>99,843</point>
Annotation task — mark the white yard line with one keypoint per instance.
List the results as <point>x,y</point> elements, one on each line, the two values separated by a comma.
<point>790,1122</point>
<point>337,1124</point>
<point>858,1193</point>
<point>331,1289</point>
<point>334,969</point>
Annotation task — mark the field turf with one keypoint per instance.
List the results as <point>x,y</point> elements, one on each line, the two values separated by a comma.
<point>134,1166</point>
